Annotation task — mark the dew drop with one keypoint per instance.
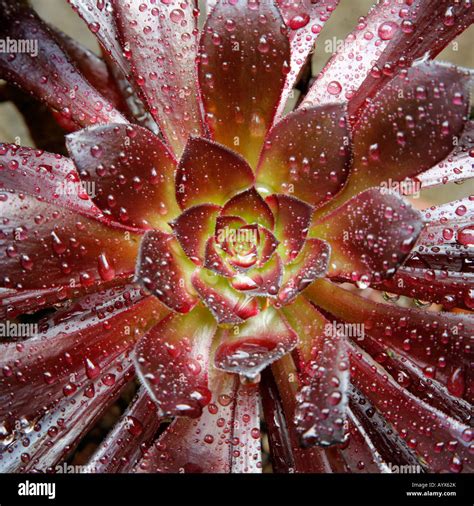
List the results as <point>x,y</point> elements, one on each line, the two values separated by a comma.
<point>387,30</point>
<point>465,236</point>
<point>456,383</point>
<point>105,268</point>
<point>298,21</point>
<point>334,88</point>
<point>177,15</point>
<point>134,426</point>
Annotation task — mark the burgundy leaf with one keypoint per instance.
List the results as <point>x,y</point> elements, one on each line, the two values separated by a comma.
<point>242,66</point>
<point>446,241</point>
<point>321,408</point>
<point>162,45</point>
<point>370,235</point>
<point>226,438</point>
<point>441,442</point>
<point>457,166</point>
<point>298,160</point>
<point>226,304</point>
<point>250,206</point>
<point>44,246</point>
<point>47,73</point>
<point>261,281</point>
<point>392,448</point>
<point>422,383</point>
<point>310,264</point>
<point>47,176</point>
<point>437,342</point>
<point>215,259</point>
<point>53,436</point>
<point>305,20</point>
<point>255,344</point>
<point>164,270</point>
<point>122,448</point>
<point>130,171</point>
<point>305,460</point>
<point>172,361</point>
<point>390,37</point>
<point>210,173</point>
<point>449,224</point>
<point>99,17</point>
<point>281,450</point>
<point>409,126</point>
<point>451,289</point>
<point>74,358</point>
<point>292,221</point>
<point>92,67</point>
<point>360,452</point>
<point>14,303</point>
<point>193,228</point>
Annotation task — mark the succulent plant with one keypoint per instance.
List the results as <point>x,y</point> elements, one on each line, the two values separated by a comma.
<point>206,240</point>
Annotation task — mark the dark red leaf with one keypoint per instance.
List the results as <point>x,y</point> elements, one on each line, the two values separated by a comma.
<point>99,17</point>
<point>164,270</point>
<point>130,171</point>
<point>389,38</point>
<point>226,304</point>
<point>161,42</point>
<point>451,289</point>
<point>298,160</point>
<point>255,344</point>
<point>321,409</point>
<point>172,361</point>
<point>47,73</point>
<point>194,227</point>
<point>216,261</point>
<point>457,166</point>
<point>44,246</point>
<point>92,67</point>
<point>73,365</point>
<point>122,448</point>
<point>244,56</point>
<point>437,342</point>
<point>305,20</point>
<point>47,176</point>
<point>410,124</point>
<point>292,221</point>
<point>226,438</point>
<point>310,264</point>
<point>250,206</point>
<point>210,173</point>
<point>370,235</point>
<point>441,442</point>
<point>261,281</point>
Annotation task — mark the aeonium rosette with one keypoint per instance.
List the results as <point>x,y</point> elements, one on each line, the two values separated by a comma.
<point>209,260</point>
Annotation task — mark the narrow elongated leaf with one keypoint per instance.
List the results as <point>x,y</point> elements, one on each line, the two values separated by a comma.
<point>46,71</point>
<point>244,57</point>
<point>172,361</point>
<point>161,42</point>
